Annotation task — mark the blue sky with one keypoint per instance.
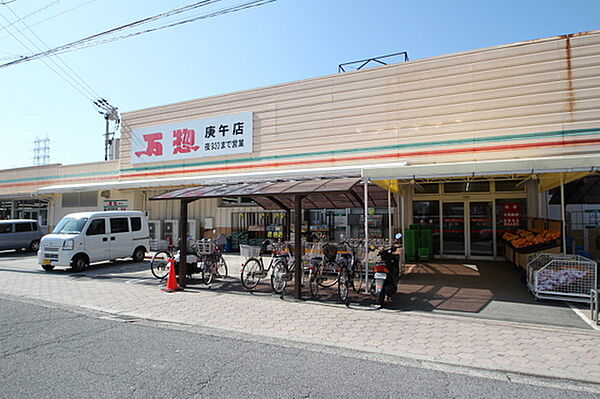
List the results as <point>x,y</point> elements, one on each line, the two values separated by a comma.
<point>279,42</point>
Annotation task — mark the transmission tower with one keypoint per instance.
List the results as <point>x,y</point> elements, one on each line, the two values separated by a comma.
<point>41,151</point>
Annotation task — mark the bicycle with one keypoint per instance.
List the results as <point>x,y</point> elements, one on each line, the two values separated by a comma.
<point>159,264</point>
<point>283,269</point>
<point>210,261</point>
<point>350,273</point>
<point>253,270</point>
<point>322,266</point>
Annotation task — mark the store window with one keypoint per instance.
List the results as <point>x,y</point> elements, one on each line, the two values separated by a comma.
<point>467,187</point>
<point>509,185</point>
<point>427,188</point>
<point>86,199</point>
<point>426,214</point>
<point>511,215</point>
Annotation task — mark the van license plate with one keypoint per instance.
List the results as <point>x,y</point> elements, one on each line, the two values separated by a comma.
<point>46,262</point>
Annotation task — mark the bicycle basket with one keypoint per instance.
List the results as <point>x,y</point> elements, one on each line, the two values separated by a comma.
<point>330,252</point>
<point>205,247</point>
<point>249,251</point>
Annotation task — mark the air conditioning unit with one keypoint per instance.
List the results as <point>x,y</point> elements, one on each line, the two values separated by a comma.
<point>105,193</point>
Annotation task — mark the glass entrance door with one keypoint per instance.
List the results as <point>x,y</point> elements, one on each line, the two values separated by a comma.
<point>467,229</point>
<point>453,229</point>
<point>481,230</point>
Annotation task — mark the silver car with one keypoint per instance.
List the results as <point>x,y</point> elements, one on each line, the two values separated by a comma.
<point>20,234</point>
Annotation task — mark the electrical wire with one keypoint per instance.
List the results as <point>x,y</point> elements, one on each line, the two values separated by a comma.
<point>53,16</point>
<point>82,92</point>
<point>71,73</point>
<point>34,12</point>
<point>93,40</point>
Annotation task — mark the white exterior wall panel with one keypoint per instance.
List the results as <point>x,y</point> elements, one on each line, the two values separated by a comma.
<point>520,100</point>
<point>517,89</point>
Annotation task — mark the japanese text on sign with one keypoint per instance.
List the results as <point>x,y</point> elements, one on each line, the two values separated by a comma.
<point>223,135</point>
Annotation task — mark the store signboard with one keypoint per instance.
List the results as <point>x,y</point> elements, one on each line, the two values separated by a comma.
<point>222,135</point>
<point>115,205</point>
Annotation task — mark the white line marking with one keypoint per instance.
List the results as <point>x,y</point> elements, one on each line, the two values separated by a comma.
<point>579,313</point>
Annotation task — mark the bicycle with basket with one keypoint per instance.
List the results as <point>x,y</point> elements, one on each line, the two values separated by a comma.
<point>254,270</point>
<point>204,257</point>
<point>321,265</point>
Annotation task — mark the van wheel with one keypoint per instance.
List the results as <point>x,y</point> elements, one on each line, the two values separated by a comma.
<point>48,268</point>
<point>138,254</point>
<point>34,246</point>
<point>79,263</point>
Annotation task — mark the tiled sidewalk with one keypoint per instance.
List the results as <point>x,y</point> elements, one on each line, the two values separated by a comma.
<point>533,350</point>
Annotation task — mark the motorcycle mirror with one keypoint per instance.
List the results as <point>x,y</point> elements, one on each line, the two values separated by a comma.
<point>398,236</point>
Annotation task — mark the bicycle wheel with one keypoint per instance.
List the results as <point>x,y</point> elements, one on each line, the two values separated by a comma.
<point>208,272</point>
<point>251,273</point>
<point>357,277</point>
<point>329,274</point>
<point>279,277</point>
<point>344,285</point>
<point>222,269</point>
<point>313,285</point>
<point>159,265</point>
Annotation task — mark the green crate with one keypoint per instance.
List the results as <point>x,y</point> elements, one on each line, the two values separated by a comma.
<point>410,245</point>
<point>424,254</point>
<point>426,239</point>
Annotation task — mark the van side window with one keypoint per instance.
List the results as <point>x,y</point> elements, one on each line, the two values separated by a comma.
<point>97,226</point>
<point>22,227</point>
<point>119,225</point>
<point>5,228</point>
<point>136,224</point>
<point>34,226</point>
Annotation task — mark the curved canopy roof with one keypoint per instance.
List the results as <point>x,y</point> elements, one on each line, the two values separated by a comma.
<point>316,193</point>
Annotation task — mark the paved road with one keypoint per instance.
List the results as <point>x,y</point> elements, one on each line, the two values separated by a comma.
<point>508,350</point>
<point>58,353</point>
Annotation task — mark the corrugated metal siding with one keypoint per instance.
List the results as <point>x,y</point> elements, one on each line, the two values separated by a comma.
<point>521,100</point>
<point>525,88</point>
<point>27,180</point>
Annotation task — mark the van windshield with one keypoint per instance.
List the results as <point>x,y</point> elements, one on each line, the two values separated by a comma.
<point>70,226</point>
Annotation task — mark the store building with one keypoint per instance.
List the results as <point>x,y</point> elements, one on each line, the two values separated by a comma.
<point>469,143</point>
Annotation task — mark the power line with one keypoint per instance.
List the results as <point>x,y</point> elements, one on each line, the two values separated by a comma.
<point>82,83</point>
<point>48,65</point>
<point>33,12</point>
<point>89,40</point>
<point>51,17</point>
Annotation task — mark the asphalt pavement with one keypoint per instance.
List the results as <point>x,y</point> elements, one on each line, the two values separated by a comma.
<point>54,352</point>
<point>521,352</point>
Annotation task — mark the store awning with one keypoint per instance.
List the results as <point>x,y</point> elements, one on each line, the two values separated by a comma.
<point>584,191</point>
<point>317,193</point>
<point>547,170</point>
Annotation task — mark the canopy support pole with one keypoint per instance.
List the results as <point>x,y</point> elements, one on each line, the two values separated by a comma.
<point>562,212</point>
<point>403,224</point>
<point>298,247</point>
<point>288,221</point>
<point>183,233</point>
<point>390,234</point>
<point>366,225</point>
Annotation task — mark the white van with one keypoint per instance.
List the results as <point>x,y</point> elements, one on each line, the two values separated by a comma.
<point>83,238</point>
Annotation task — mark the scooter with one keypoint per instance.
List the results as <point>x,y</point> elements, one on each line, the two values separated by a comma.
<point>386,273</point>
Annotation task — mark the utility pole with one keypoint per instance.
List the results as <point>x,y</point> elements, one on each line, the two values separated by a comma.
<point>110,113</point>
